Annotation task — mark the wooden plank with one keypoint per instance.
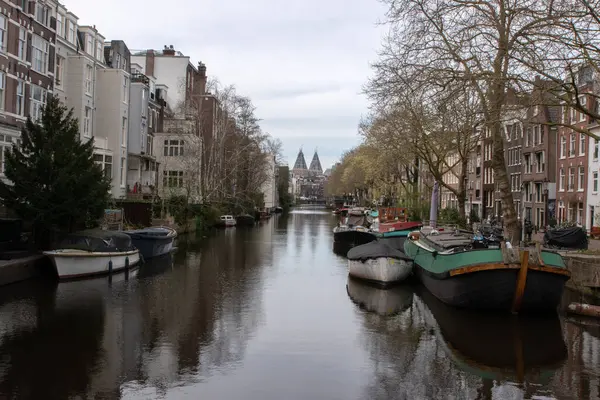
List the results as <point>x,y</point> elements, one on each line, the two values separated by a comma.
<point>521,282</point>
<point>538,250</point>
<point>482,267</point>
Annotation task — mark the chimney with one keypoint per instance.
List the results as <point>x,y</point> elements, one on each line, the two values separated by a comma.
<point>150,63</point>
<point>169,51</point>
<point>202,79</point>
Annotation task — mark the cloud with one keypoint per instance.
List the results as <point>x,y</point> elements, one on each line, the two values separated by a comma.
<point>303,63</point>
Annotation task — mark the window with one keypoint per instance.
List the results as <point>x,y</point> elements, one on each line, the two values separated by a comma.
<point>151,120</point>
<point>125,89</point>
<point>20,105</point>
<point>563,146</point>
<point>123,171</point>
<point>571,178</point>
<point>89,47</point>
<point>58,72</point>
<point>527,163</point>
<point>583,101</point>
<point>60,25</point>
<point>572,146</point>
<point>173,178</point>
<point>561,182</point>
<point>173,148</point>
<point>99,51</point>
<point>528,194</point>
<point>38,101</point>
<point>3,32</point>
<point>581,181</point>
<point>22,46</point>
<point>528,137</point>
<point>72,28</point>
<point>595,181</point>
<point>87,114</point>
<point>539,160</point>
<point>40,48</point>
<point>105,162</point>
<point>124,132</point>
<point>23,4</point>
<point>88,79</point>
<point>582,138</point>
<point>595,149</point>
<point>42,14</point>
<point>2,89</point>
<point>538,192</point>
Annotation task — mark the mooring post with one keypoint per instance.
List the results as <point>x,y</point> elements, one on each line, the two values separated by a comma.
<point>521,282</point>
<point>110,270</point>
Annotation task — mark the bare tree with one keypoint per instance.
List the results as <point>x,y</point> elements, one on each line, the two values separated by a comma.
<point>491,45</point>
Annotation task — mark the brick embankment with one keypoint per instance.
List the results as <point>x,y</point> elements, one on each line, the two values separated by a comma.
<point>20,269</point>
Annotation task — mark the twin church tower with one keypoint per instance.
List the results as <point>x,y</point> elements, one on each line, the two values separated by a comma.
<point>300,168</point>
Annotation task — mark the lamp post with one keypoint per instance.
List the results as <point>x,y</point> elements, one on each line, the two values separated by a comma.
<point>545,192</point>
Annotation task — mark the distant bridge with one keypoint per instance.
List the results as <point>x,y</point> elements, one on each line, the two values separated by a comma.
<point>322,202</point>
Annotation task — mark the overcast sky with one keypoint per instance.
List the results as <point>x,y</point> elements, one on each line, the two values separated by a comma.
<point>302,62</point>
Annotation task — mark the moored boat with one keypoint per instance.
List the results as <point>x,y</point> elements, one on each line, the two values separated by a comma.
<point>227,220</point>
<point>93,252</point>
<point>245,220</point>
<point>378,263</point>
<point>154,241</point>
<point>355,231</point>
<point>485,278</point>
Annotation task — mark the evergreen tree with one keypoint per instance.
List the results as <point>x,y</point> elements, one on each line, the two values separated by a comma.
<point>54,182</point>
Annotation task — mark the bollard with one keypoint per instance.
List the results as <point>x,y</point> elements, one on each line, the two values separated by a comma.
<point>126,262</point>
<point>110,269</point>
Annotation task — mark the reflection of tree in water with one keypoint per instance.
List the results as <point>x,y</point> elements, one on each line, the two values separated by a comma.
<point>200,314</point>
<point>411,359</point>
<point>55,359</point>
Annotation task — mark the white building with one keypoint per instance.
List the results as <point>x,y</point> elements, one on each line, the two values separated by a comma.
<point>593,197</point>
<point>173,69</point>
<point>269,187</point>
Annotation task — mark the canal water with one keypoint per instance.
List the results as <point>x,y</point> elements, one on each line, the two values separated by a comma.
<point>269,313</point>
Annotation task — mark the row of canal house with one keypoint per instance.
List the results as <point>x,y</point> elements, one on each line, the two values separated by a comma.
<point>553,170</point>
<point>128,102</point>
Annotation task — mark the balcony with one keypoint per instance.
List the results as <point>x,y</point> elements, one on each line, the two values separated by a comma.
<point>138,77</point>
<point>140,192</point>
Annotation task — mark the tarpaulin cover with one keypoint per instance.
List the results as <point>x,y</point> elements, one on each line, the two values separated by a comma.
<point>566,238</point>
<point>97,240</point>
<point>373,250</point>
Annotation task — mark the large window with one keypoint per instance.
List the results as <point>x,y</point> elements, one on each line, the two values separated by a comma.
<point>89,47</point>
<point>561,182</point>
<point>124,132</point>
<point>2,89</point>
<point>105,162</point>
<point>563,146</point>
<point>20,103</point>
<point>99,50</point>
<point>595,188</point>
<point>582,139</point>
<point>60,25</point>
<point>571,178</point>
<point>6,143</point>
<point>40,48</point>
<point>123,171</point>
<point>539,160</point>
<point>72,29</point>
<point>38,101</point>
<point>173,148</point>
<point>89,72</point>
<point>125,89</point>
<point>581,180</point>
<point>59,70</point>
<point>22,47</point>
<point>595,148</point>
<point>42,14</point>
<point>87,116</point>
<point>572,145</point>
<point>173,179</point>
<point>3,28</point>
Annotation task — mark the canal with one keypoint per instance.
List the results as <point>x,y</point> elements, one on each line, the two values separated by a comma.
<point>269,313</point>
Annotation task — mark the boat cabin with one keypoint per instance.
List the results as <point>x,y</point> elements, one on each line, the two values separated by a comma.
<point>458,240</point>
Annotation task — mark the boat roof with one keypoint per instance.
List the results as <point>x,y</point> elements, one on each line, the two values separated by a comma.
<point>448,240</point>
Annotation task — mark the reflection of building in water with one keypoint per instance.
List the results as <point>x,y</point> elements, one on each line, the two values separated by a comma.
<point>579,378</point>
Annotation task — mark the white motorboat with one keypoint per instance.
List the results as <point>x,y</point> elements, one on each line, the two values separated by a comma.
<point>93,252</point>
<point>377,262</point>
<point>228,220</point>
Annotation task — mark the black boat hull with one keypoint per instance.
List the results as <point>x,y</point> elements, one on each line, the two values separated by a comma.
<point>495,289</point>
<point>353,238</point>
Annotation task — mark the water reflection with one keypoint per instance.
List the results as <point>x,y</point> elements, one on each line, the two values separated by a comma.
<point>431,350</point>
<point>269,313</point>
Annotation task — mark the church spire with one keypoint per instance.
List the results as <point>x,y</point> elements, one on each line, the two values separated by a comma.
<point>315,165</point>
<point>300,163</point>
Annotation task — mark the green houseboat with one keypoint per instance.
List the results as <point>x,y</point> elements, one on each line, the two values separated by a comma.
<point>495,279</point>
